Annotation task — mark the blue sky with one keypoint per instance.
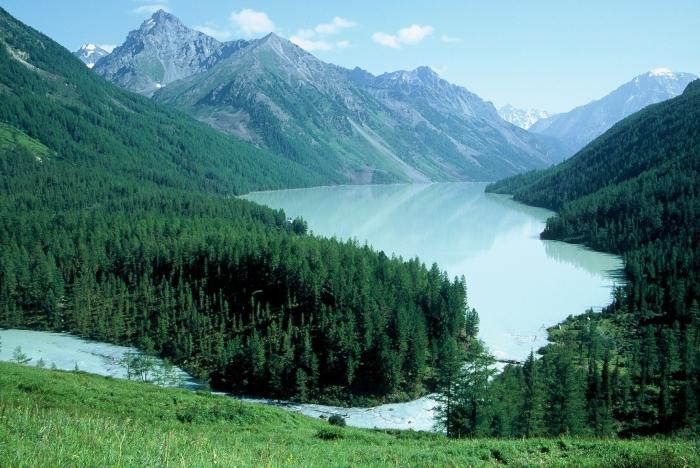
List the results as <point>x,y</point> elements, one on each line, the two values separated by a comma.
<point>547,54</point>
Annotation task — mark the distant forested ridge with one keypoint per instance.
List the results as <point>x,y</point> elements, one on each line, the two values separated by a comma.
<point>634,368</point>
<point>119,224</point>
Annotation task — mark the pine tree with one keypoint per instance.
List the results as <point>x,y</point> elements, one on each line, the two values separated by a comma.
<point>531,417</point>
<point>19,356</point>
<point>565,399</point>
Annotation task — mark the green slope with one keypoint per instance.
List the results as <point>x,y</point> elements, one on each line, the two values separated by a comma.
<point>53,418</point>
<point>47,94</point>
<point>280,96</point>
<point>636,191</point>
<point>118,224</point>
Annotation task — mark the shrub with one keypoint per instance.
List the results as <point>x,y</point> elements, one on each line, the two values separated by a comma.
<point>337,420</point>
<point>329,434</point>
<point>198,413</point>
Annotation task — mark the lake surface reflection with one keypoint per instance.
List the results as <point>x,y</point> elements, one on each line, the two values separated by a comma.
<point>518,283</point>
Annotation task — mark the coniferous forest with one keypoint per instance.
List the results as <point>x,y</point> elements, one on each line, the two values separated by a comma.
<point>119,224</point>
<point>633,369</point>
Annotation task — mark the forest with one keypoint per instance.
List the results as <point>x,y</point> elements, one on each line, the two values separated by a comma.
<point>632,369</point>
<point>119,223</point>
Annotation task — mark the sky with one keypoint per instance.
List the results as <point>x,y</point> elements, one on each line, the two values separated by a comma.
<point>544,54</point>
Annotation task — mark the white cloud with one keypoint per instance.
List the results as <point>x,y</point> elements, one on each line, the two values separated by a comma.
<point>310,45</point>
<point>409,35</point>
<point>108,47</point>
<point>414,33</point>
<point>336,24</point>
<point>306,33</point>
<point>450,40</point>
<point>216,33</point>
<point>386,40</point>
<point>317,38</point>
<point>251,22</point>
<point>151,8</point>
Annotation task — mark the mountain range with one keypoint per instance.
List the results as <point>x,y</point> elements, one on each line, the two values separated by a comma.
<point>351,126</point>
<point>90,54</point>
<point>578,127</point>
<point>348,125</point>
<point>523,118</point>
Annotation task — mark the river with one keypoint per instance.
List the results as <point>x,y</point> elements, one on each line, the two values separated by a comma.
<point>519,284</point>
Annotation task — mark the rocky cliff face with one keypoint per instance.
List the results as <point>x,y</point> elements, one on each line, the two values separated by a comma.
<point>90,54</point>
<point>348,124</point>
<point>161,51</point>
<point>523,118</point>
<point>583,124</point>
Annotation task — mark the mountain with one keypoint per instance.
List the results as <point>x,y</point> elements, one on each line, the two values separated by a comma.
<point>84,119</point>
<point>90,54</point>
<point>456,127</point>
<point>581,125</point>
<point>635,191</point>
<point>161,51</point>
<point>346,124</point>
<point>523,118</point>
<point>120,223</point>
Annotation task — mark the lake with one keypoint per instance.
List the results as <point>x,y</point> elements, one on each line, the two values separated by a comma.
<point>519,284</point>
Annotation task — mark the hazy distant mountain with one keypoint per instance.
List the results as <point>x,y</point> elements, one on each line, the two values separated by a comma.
<point>581,125</point>
<point>348,124</point>
<point>161,51</point>
<point>454,123</point>
<point>90,54</point>
<point>523,118</point>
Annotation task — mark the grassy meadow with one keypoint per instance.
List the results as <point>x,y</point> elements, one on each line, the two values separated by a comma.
<point>56,418</point>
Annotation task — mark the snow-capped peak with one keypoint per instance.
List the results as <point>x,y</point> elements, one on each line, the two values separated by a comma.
<point>523,118</point>
<point>90,54</point>
<point>88,49</point>
<point>662,72</point>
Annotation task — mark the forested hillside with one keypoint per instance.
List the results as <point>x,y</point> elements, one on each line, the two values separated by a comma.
<point>581,125</point>
<point>348,125</point>
<point>634,191</point>
<point>118,223</point>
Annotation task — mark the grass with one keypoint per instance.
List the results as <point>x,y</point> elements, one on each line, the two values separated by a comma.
<point>55,418</point>
<point>11,138</point>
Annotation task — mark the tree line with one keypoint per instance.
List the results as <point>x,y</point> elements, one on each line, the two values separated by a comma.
<point>119,224</point>
<point>632,369</point>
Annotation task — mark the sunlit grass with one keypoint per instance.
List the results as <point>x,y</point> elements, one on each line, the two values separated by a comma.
<point>53,418</point>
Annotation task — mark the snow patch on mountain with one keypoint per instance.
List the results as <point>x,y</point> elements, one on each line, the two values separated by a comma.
<point>90,54</point>
<point>662,72</point>
<point>583,124</point>
<point>523,118</point>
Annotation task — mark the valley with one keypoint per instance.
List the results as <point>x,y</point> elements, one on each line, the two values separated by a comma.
<point>489,239</point>
<point>334,220</point>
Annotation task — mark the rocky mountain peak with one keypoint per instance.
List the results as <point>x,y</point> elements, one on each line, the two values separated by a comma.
<point>583,124</point>
<point>523,118</point>
<point>89,54</point>
<point>161,51</point>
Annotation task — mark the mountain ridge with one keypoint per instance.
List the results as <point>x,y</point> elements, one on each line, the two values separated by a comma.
<point>584,123</point>
<point>161,51</point>
<point>352,126</point>
<point>90,54</point>
<point>523,118</point>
